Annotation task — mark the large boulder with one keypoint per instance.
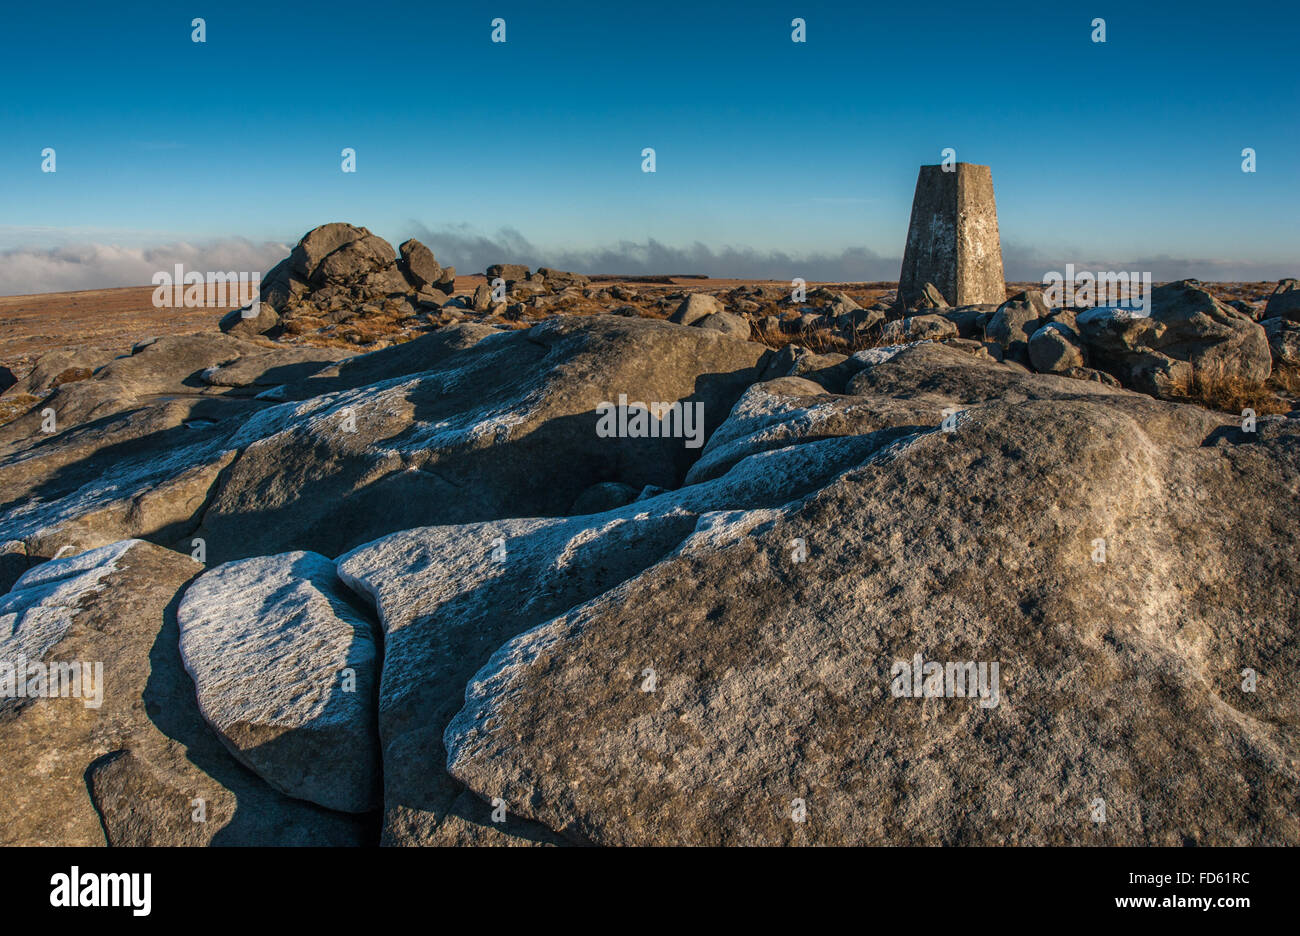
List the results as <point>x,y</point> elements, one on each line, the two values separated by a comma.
<point>418,263</point>
<point>286,669</point>
<point>1283,340</point>
<point>695,307</point>
<point>781,676</point>
<point>128,760</point>
<point>1056,348</point>
<point>1015,322</point>
<point>1185,324</point>
<point>1285,301</point>
<point>319,243</point>
<point>354,261</point>
<point>510,272</point>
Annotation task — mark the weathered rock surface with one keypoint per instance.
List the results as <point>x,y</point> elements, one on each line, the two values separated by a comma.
<point>695,307</point>
<point>249,323</point>
<point>1016,321</point>
<point>142,768</point>
<point>1186,324</point>
<point>286,670</point>
<point>447,596</point>
<point>918,328</point>
<point>461,441</point>
<point>1285,301</point>
<point>734,326</point>
<point>1283,340</point>
<point>772,677</point>
<point>1056,349</point>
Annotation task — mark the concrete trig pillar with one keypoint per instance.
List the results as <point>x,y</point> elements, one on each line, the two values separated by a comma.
<point>952,240</point>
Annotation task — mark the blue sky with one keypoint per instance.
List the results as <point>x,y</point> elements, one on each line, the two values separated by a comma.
<point>1114,152</point>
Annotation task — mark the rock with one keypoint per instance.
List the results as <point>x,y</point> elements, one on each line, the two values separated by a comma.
<point>1248,309</point>
<point>418,264</point>
<point>607,495</point>
<point>510,272</point>
<point>558,280</point>
<point>1283,340</point>
<point>694,307</point>
<point>1055,349</point>
<point>829,371</point>
<point>1160,375</point>
<point>139,768</point>
<point>354,261</point>
<point>388,281</point>
<point>1088,373</point>
<point>733,326</point>
<point>48,368</point>
<point>319,243</point>
<point>926,296</point>
<point>249,323</point>
<point>461,440</point>
<point>861,320</point>
<point>918,328</point>
<point>778,680</point>
<point>448,595</point>
<point>7,379</point>
<point>447,282</point>
<point>482,298</point>
<point>1285,301</point>
<point>1015,321</point>
<point>286,671</point>
<point>967,320</point>
<point>1186,324</point>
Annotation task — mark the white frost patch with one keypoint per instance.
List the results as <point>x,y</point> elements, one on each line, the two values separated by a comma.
<point>870,357</point>
<point>718,529</point>
<point>38,611</point>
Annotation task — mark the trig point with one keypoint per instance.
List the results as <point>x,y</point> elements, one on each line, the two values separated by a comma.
<point>952,240</point>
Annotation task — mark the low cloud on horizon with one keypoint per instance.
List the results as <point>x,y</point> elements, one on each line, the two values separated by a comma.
<point>69,267</point>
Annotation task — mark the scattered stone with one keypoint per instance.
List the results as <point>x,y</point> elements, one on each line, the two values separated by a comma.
<point>1056,349</point>
<point>695,307</point>
<point>918,328</point>
<point>733,326</point>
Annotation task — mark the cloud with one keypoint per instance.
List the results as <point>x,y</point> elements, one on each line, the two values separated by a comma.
<point>1029,264</point>
<point>69,267</point>
<point>95,265</point>
<point>472,252</point>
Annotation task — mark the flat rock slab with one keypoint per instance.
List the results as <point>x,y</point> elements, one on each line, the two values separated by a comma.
<point>285,668</point>
<point>772,716</point>
<point>141,767</point>
<point>448,596</point>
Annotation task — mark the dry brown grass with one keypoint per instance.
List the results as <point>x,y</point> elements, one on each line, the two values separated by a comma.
<point>1231,394</point>
<point>1285,379</point>
<point>816,340</point>
<point>14,405</point>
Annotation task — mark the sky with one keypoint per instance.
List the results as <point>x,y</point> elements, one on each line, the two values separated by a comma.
<point>773,158</point>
